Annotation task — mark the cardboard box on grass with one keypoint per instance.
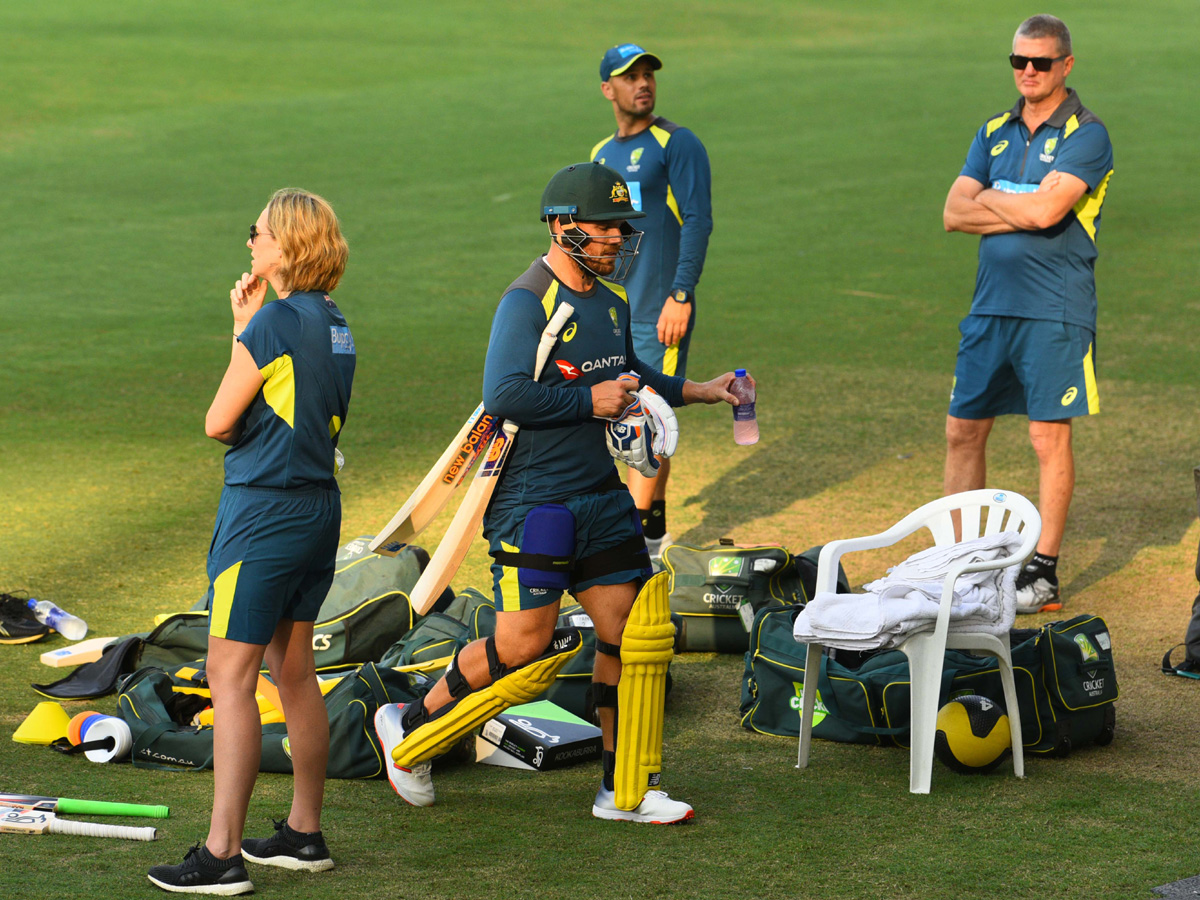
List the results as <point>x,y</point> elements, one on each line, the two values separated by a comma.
<point>537,736</point>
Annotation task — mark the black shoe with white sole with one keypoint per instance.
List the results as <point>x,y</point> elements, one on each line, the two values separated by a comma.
<point>289,849</point>
<point>202,873</point>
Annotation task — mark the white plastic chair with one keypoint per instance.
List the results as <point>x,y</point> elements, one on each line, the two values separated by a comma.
<point>1006,511</point>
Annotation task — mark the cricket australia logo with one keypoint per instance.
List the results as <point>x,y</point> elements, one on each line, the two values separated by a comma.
<point>620,193</point>
<point>612,314</point>
<point>819,709</point>
<point>1047,154</point>
<point>1086,650</point>
<point>634,159</point>
<point>724,565</point>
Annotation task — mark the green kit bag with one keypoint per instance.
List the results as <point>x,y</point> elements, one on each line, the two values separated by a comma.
<point>711,586</point>
<point>159,706</point>
<point>773,683</point>
<point>441,634</point>
<point>1065,680</point>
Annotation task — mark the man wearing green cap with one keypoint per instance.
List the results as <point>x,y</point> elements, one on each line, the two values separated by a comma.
<point>670,182</point>
<point>559,483</point>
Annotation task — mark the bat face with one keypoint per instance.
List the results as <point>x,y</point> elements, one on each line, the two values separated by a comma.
<point>24,821</point>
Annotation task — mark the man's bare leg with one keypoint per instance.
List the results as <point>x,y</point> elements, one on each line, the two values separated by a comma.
<point>1056,482</point>
<point>966,458</point>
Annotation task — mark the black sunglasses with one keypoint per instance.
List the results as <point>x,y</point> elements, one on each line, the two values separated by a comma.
<point>1040,63</point>
<point>254,233</point>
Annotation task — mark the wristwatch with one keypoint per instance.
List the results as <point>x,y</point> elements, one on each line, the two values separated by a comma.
<point>681,296</point>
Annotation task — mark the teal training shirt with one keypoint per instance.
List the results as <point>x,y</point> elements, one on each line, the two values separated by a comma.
<point>1047,274</point>
<point>669,180</point>
<point>305,352</point>
<point>560,450</point>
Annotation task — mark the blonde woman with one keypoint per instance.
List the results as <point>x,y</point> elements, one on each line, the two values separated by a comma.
<point>280,408</point>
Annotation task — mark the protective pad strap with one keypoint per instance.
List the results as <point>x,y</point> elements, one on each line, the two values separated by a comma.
<point>514,686</point>
<point>646,650</point>
<point>629,554</point>
<point>457,685</point>
<point>602,694</point>
<point>608,649</point>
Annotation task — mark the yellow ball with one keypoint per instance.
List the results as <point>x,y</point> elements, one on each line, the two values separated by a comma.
<point>972,735</point>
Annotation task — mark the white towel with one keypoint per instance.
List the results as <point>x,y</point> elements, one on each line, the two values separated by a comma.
<point>906,600</point>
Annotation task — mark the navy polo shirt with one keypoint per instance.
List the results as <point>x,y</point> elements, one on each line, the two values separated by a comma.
<point>305,353</point>
<point>1047,274</point>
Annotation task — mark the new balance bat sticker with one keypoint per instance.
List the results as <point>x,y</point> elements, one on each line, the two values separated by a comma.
<point>444,563</point>
<point>439,485</point>
<point>31,821</point>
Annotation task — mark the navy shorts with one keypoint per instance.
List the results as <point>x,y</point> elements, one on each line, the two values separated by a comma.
<point>1030,367</point>
<point>272,558</point>
<point>602,520</point>
<point>670,360</point>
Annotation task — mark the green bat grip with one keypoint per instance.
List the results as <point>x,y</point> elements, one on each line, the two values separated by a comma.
<point>67,806</point>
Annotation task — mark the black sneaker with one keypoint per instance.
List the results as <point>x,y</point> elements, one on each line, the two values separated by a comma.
<point>202,873</point>
<point>289,849</point>
<point>17,623</point>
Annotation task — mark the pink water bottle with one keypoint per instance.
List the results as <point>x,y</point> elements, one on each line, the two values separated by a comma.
<point>745,425</point>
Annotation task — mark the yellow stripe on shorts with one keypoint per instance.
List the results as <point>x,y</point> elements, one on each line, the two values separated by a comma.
<point>224,587</point>
<point>510,588</point>
<point>1089,379</point>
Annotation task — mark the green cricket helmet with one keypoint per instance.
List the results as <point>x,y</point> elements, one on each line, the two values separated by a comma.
<point>592,192</point>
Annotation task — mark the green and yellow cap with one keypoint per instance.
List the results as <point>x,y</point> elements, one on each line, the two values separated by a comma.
<point>588,192</point>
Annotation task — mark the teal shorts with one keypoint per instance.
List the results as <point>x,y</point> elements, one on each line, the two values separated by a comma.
<point>602,521</point>
<point>272,558</point>
<point>670,360</point>
<point>1030,367</point>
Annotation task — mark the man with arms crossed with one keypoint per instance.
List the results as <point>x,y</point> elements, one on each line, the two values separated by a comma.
<point>560,518</point>
<point>1032,186</point>
<point>669,181</point>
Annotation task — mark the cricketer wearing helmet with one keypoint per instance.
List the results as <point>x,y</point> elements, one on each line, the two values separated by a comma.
<point>561,519</point>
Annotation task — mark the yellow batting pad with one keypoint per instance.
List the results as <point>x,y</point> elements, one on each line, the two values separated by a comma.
<point>646,650</point>
<point>519,686</point>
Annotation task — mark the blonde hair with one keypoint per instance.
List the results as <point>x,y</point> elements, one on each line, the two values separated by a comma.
<point>310,240</point>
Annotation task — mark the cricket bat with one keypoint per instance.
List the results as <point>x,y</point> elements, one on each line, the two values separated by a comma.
<point>83,807</point>
<point>32,821</point>
<point>76,654</point>
<point>437,487</point>
<point>444,563</point>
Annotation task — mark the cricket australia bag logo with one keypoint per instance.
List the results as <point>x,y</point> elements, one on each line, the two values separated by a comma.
<point>1086,650</point>
<point>724,565</point>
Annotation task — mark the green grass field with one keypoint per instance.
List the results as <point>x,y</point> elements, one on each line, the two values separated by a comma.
<point>139,140</point>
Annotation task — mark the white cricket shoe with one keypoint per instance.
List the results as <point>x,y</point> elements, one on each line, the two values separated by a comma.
<point>656,808</point>
<point>656,546</point>
<point>414,784</point>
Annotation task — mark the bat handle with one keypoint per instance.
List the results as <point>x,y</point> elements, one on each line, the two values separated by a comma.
<point>96,829</point>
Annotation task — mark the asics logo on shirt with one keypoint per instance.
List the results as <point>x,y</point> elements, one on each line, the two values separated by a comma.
<point>999,148</point>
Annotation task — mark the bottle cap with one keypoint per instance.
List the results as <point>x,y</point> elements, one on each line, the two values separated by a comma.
<point>739,373</point>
